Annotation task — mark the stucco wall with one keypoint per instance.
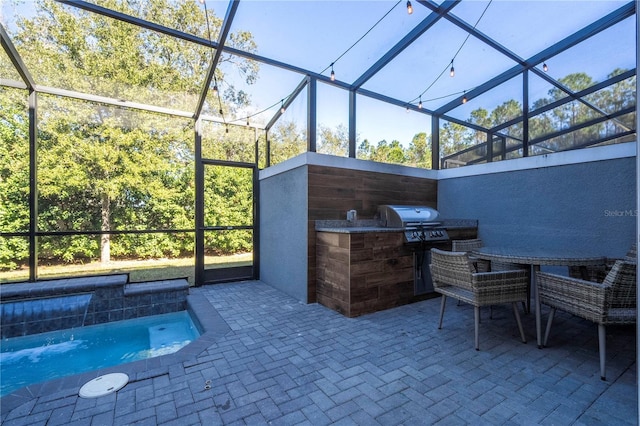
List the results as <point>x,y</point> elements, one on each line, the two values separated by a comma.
<point>589,206</point>
<point>283,231</point>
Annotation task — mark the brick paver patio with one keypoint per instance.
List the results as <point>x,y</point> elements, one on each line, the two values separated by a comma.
<point>276,361</point>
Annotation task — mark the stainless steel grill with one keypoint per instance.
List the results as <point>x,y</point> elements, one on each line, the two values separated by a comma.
<point>422,231</point>
<point>420,223</point>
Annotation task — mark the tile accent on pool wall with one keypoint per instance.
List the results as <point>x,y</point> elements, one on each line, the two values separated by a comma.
<point>30,308</point>
<point>212,326</point>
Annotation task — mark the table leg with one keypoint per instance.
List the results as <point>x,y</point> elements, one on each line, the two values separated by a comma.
<point>534,285</point>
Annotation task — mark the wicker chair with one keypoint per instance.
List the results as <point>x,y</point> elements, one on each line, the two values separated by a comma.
<point>470,245</point>
<point>611,302</point>
<point>597,273</point>
<point>453,275</point>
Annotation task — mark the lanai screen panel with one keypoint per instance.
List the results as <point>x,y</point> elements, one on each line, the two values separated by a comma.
<point>144,66</point>
<point>392,134</point>
<point>183,15</point>
<point>424,69</point>
<point>530,26</point>
<point>314,34</point>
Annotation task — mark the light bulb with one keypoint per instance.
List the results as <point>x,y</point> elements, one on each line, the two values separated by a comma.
<point>220,111</point>
<point>545,68</point>
<point>452,71</point>
<point>333,76</point>
<point>248,122</point>
<point>215,89</point>
<point>420,103</point>
<point>227,131</point>
<point>464,98</point>
<point>409,8</point>
<point>282,110</point>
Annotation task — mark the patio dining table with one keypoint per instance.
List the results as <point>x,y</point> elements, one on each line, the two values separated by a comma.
<point>534,258</point>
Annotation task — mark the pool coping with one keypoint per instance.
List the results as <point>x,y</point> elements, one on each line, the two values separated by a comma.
<point>212,327</point>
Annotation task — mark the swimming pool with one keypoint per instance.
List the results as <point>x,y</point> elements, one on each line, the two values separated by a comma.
<point>36,358</point>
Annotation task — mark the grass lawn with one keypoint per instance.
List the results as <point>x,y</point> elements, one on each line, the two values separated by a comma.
<point>139,270</point>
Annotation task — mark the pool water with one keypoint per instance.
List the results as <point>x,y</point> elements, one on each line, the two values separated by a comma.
<point>32,359</point>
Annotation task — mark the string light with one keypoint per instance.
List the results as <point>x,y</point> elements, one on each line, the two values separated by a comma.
<point>420,103</point>
<point>452,69</point>
<point>464,97</point>
<point>215,89</point>
<point>409,8</point>
<point>282,109</point>
<point>360,39</point>
<point>545,68</point>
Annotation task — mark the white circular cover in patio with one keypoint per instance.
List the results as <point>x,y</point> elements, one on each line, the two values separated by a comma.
<point>104,385</point>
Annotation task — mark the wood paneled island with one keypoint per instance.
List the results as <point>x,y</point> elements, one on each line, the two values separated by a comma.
<point>364,269</point>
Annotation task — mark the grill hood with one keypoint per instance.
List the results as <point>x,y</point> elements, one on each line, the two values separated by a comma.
<point>400,216</point>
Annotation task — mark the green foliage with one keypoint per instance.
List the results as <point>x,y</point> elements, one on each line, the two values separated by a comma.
<point>111,169</point>
<point>14,176</point>
<point>286,141</point>
<point>103,168</point>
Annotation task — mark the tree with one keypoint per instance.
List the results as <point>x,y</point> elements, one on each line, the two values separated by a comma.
<point>419,154</point>
<point>287,141</point>
<point>108,168</point>
<point>333,142</point>
<point>14,176</point>
<point>454,137</point>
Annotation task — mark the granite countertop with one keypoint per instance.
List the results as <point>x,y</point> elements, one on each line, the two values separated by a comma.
<point>372,225</point>
<point>353,227</point>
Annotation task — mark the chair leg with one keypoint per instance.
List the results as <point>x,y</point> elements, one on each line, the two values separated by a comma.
<point>552,313</point>
<point>442,303</point>
<point>517,315</point>
<point>476,312</point>
<point>602,348</point>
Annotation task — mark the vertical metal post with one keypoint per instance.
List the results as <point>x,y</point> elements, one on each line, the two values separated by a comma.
<point>256,154</point>
<point>435,142</point>
<point>256,223</point>
<point>489,147</point>
<point>267,162</point>
<point>352,124</point>
<point>311,114</point>
<point>525,113</point>
<point>199,198</point>
<point>33,187</point>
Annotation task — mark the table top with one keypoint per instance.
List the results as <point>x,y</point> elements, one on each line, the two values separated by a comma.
<point>538,256</point>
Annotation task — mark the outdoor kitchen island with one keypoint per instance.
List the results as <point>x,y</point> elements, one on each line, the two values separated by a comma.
<point>364,267</point>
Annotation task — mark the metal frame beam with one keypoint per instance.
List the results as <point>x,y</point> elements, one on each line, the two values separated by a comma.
<point>33,185</point>
<point>90,7</point>
<point>312,103</point>
<point>286,103</point>
<point>474,32</point>
<point>576,95</point>
<point>420,29</point>
<point>15,58</point>
<point>352,124</point>
<point>222,38</point>
<point>579,36</point>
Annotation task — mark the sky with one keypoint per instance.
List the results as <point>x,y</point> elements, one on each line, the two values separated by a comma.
<point>354,34</point>
<point>313,34</point>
